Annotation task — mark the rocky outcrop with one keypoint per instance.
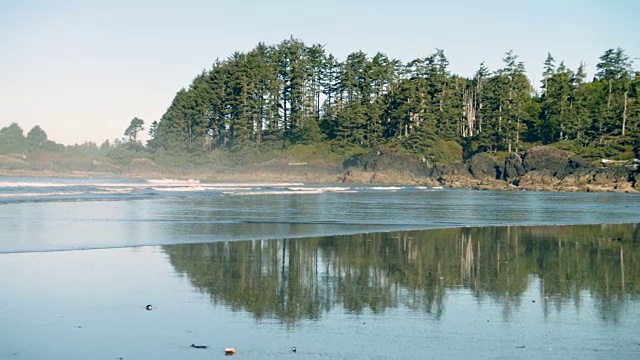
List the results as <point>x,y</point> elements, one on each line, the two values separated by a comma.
<point>541,168</point>
<point>459,170</point>
<point>482,166</point>
<point>513,167</point>
<point>387,162</point>
<point>546,158</point>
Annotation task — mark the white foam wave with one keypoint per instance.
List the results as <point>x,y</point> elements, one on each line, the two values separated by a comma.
<point>254,185</point>
<point>107,190</point>
<point>320,189</point>
<point>75,184</point>
<point>200,188</point>
<point>339,189</point>
<point>387,188</point>
<point>148,183</point>
<point>180,188</point>
<point>30,184</point>
<point>172,182</point>
<point>220,188</point>
<point>275,192</point>
<point>56,193</point>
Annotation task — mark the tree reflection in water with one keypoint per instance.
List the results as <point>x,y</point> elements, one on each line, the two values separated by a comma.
<point>291,280</point>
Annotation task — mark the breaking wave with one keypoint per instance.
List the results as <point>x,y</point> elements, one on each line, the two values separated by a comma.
<point>61,189</point>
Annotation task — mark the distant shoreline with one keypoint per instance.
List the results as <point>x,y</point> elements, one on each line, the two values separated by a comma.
<point>541,168</point>
<point>352,177</point>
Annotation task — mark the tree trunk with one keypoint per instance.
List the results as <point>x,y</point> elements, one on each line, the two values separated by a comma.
<point>624,113</point>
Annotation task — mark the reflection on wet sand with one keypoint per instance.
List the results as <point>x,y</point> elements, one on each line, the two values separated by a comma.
<point>291,280</point>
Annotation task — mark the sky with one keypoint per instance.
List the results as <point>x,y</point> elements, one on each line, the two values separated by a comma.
<point>81,70</point>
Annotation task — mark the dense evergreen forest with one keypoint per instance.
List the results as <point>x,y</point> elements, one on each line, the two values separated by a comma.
<point>275,100</point>
<point>291,93</point>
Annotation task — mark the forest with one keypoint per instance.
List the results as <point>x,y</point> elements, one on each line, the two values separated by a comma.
<point>291,93</point>
<point>257,105</point>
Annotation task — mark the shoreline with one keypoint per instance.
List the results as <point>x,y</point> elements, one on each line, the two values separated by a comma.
<point>348,177</point>
<point>541,168</point>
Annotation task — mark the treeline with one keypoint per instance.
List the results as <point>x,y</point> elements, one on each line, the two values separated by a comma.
<point>13,140</point>
<point>292,93</point>
<point>255,104</point>
<point>34,151</point>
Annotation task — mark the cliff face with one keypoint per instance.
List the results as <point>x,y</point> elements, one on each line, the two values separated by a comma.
<point>541,168</point>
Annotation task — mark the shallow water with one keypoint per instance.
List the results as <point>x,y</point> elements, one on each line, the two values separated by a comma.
<point>507,292</point>
<point>336,271</point>
<point>65,214</point>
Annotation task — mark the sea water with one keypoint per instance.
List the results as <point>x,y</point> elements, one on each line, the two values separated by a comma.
<point>66,214</point>
<point>336,271</point>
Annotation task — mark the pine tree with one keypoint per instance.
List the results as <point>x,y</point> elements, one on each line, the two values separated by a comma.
<point>614,71</point>
<point>135,126</point>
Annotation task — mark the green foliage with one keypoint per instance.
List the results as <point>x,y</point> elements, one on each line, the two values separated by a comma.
<point>317,153</point>
<point>448,152</point>
<point>12,140</point>
<point>290,93</point>
<point>123,154</point>
<point>134,128</point>
<point>309,133</point>
<point>259,105</point>
<point>36,138</point>
<point>347,150</point>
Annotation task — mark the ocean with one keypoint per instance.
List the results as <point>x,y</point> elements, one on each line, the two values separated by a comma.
<point>336,271</point>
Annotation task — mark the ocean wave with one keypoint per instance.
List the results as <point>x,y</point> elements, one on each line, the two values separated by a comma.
<point>386,188</point>
<point>339,189</point>
<point>275,192</point>
<point>108,190</point>
<point>320,189</point>
<point>180,188</point>
<point>146,184</point>
<point>43,194</point>
<point>172,182</point>
<point>14,185</point>
<point>32,184</point>
<point>254,185</point>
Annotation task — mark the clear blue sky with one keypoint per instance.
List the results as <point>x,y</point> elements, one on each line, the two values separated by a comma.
<point>83,69</point>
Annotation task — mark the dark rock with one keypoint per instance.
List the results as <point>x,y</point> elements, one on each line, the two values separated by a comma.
<point>513,167</point>
<point>546,158</point>
<point>635,180</point>
<point>612,175</point>
<point>450,170</point>
<point>542,168</point>
<point>388,162</point>
<point>575,163</point>
<point>537,180</point>
<point>483,166</point>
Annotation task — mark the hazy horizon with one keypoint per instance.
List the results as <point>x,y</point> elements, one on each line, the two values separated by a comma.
<point>82,71</point>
